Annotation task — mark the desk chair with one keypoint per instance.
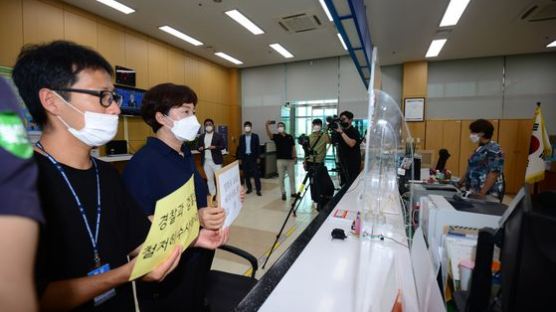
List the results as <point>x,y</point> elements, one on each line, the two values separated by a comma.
<point>226,290</point>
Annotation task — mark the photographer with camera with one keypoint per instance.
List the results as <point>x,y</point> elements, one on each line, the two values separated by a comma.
<point>315,152</point>
<point>349,151</point>
<point>285,155</point>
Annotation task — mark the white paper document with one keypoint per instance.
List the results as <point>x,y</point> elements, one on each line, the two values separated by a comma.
<point>229,188</point>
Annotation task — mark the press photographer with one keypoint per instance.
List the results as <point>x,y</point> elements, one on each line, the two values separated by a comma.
<point>348,140</point>
<point>315,146</point>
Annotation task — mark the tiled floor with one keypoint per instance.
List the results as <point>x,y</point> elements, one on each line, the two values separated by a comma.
<point>260,219</point>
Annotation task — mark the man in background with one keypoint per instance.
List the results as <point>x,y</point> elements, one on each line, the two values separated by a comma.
<point>248,154</point>
<point>285,156</point>
<point>210,145</point>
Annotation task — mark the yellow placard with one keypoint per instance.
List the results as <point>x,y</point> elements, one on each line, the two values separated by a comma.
<point>175,222</point>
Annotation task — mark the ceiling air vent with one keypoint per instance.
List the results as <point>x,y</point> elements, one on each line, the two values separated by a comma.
<point>300,23</point>
<point>540,12</point>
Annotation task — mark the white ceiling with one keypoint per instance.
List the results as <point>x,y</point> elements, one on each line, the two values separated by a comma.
<point>402,29</point>
<point>205,21</point>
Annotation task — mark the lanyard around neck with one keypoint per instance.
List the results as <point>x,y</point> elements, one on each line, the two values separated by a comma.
<point>94,239</point>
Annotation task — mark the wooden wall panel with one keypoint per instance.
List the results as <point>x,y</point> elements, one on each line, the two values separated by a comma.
<point>111,44</point>
<point>418,132</point>
<point>514,138</point>
<point>42,22</point>
<point>11,31</point>
<point>444,134</point>
<point>34,21</point>
<point>136,57</point>
<point>415,77</point>
<point>158,63</point>
<point>176,66</point>
<point>192,73</point>
<point>80,30</point>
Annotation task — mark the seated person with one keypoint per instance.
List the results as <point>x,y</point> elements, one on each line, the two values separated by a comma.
<point>485,168</point>
<point>159,168</point>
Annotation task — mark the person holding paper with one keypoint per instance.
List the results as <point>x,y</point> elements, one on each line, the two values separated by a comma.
<point>92,224</point>
<point>211,144</point>
<point>158,169</point>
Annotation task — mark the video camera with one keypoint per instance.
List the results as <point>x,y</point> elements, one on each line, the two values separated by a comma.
<point>332,122</point>
<point>303,140</point>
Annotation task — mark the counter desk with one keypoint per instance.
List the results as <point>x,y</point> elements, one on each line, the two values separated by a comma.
<point>318,273</point>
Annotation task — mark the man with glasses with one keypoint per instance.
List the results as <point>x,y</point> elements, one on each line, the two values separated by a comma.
<point>92,224</point>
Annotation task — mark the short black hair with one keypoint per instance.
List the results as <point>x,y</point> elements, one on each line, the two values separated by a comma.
<point>280,123</point>
<point>482,126</point>
<point>163,97</point>
<point>248,123</point>
<point>207,120</point>
<point>317,122</point>
<point>53,65</point>
<point>348,114</point>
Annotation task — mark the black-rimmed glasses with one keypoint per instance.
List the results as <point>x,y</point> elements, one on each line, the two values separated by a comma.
<point>106,98</point>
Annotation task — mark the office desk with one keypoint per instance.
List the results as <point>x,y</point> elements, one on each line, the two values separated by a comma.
<point>323,277</point>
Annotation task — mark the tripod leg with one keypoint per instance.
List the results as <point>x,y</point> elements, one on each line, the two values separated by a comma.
<point>278,237</point>
<point>292,210</point>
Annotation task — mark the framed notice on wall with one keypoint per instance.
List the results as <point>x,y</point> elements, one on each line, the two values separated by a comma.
<point>414,109</point>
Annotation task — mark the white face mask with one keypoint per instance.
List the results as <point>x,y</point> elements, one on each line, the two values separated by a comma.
<point>186,128</point>
<point>208,128</point>
<point>474,137</point>
<point>99,128</point>
<point>280,129</point>
<point>247,129</point>
<point>316,128</point>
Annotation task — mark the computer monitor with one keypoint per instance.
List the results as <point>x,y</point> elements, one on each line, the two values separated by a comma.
<point>131,99</point>
<point>528,256</point>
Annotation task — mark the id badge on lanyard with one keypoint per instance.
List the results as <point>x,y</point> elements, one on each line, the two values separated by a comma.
<point>107,295</point>
<point>99,268</point>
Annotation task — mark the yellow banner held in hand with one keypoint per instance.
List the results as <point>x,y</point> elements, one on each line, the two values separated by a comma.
<point>175,222</point>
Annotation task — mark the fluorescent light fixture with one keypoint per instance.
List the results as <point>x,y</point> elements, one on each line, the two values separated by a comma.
<point>117,6</point>
<point>435,47</point>
<point>228,58</point>
<point>453,12</point>
<point>342,41</point>
<point>552,44</point>
<point>244,21</point>
<point>280,49</point>
<point>180,35</point>
<point>325,8</point>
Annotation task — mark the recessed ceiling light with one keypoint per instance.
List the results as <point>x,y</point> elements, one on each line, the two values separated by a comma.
<point>117,6</point>
<point>342,41</point>
<point>245,22</point>
<point>325,8</point>
<point>552,44</point>
<point>280,49</point>
<point>453,12</point>
<point>228,58</point>
<point>180,35</point>
<point>435,47</point>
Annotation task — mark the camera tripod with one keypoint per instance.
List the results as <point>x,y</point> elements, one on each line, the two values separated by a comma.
<point>297,201</point>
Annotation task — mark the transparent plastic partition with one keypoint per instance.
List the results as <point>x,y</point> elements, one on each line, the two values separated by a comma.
<point>385,222</point>
<point>386,162</point>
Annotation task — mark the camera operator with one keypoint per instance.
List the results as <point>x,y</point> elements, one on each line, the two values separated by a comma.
<point>349,151</point>
<point>314,164</point>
